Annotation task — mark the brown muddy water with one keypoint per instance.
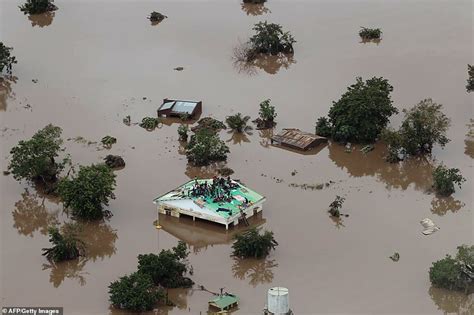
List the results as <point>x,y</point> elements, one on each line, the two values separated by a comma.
<point>95,61</point>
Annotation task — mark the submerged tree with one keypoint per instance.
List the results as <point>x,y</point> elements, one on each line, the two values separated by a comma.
<point>267,115</point>
<point>270,38</point>
<point>238,122</point>
<point>470,79</point>
<point>445,178</point>
<point>108,141</point>
<point>183,132</point>
<point>156,17</point>
<point>335,206</point>
<point>66,245</point>
<point>455,273</point>
<point>6,59</point>
<point>205,147</point>
<point>253,244</point>
<point>34,159</point>
<point>168,268</point>
<point>135,292</point>
<point>370,33</point>
<point>149,123</point>
<point>323,127</point>
<point>38,6</point>
<point>89,191</point>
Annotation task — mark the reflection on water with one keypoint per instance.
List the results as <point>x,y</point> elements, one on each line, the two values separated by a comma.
<point>452,302</point>
<point>41,20</point>
<point>469,142</point>
<point>413,171</point>
<point>269,63</point>
<point>375,41</point>
<point>238,137</point>
<point>441,205</point>
<point>257,271</point>
<point>338,222</point>
<point>265,137</point>
<point>71,269</point>
<point>255,8</point>
<point>30,215</point>
<point>208,171</point>
<point>6,90</point>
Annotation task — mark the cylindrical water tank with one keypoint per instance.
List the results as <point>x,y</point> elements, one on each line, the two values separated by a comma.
<point>278,301</point>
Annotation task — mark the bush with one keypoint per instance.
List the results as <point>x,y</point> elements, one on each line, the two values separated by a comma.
<point>335,206</point>
<point>156,17</point>
<point>34,159</point>
<point>66,245</point>
<point>444,180</point>
<point>370,33</point>
<point>168,268</point>
<point>108,141</point>
<point>205,147</point>
<point>393,140</point>
<point>237,122</point>
<point>253,244</point>
<point>149,123</point>
<point>88,191</point>
<point>470,79</point>
<point>267,115</point>
<point>323,127</point>
<point>183,132</point>
<point>270,39</point>
<point>135,292</point>
<point>6,59</point>
<point>362,112</point>
<point>210,124</point>
<point>455,273</point>
<point>38,6</point>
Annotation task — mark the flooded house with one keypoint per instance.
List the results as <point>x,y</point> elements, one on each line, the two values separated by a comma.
<point>179,108</point>
<point>219,200</point>
<point>296,139</point>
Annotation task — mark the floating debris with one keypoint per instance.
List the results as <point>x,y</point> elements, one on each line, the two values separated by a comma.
<point>156,17</point>
<point>34,80</point>
<point>179,68</point>
<point>395,257</point>
<point>6,173</point>
<point>348,147</point>
<point>127,120</point>
<point>429,226</point>
<point>308,186</point>
<point>294,172</point>
<point>367,148</point>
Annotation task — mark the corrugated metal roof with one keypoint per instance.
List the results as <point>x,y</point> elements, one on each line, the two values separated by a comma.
<point>296,138</point>
<point>184,107</point>
<point>224,301</point>
<point>166,105</point>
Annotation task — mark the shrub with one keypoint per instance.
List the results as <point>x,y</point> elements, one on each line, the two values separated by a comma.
<point>323,127</point>
<point>394,142</point>
<point>370,33</point>
<point>134,292</point>
<point>38,6</point>
<point>108,141</point>
<point>267,115</point>
<point>6,59</point>
<point>210,124</point>
<point>269,38</point>
<point>455,273</point>
<point>205,147</point>
<point>335,206</point>
<point>362,112</point>
<point>168,267</point>
<point>66,245</point>
<point>34,159</point>
<point>156,17</point>
<point>149,123</point>
<point>253,244</point>
<point>183,132</point>
<point>444,180</point>
<point>237,122</point>
<point>88,191</point>
<point>470,79</point>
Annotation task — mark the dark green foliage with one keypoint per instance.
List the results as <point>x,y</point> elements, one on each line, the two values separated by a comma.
<point>86,194</point>
<point>394,145</point>
<point>237,122</point>
<point>66,245</point>
<point>183,132</point>
<point>6,59</point>
<point>253,244</point>
<point>108,141</point>
<point>149,123</point>
<point>205,147</point>
<point>323,127</point>
<point>267,115</point>
<point>335,206</point>
<point>362,112</point>
<point>470,79</point>
<point>156,16</point>
<point>455,273</point>
<point>168,268</point>
<point>37,6</point>
<point>210,124</point>
<point>270,39</point>
<point>34,159</point>
<point>445,178</point>
<point>370,33</point>
<point>135,292</point>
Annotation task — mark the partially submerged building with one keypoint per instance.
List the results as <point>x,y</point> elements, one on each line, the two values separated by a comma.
<point>297,139</point>
<point>179,108</point>
<point>212,200</point>
<point>224,302</point>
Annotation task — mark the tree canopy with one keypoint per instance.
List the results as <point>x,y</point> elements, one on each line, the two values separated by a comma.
<point>6,59</point>
<point>370,33</point>
<point>66,245</point>
<point>470,79</point>
<point>37,6</point>
<point>205,147</point>
<point>270,38</point>
<point>237,122</point>
<point>86,194</point>
<point>254,244</point>
<point>444,180</point>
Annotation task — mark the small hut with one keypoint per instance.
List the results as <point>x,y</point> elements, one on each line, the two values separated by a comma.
<point>179,108</point>
<point>297,139</point>
<point>224,302</point>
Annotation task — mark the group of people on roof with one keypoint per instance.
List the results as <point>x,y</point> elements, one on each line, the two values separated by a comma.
<point>219,189</point>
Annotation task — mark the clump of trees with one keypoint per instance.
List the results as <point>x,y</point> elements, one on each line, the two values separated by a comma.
<point>88,192</point>
<point>335,206</point>
<point>209,123</point>
<point>205,147</point>
<point>149,123</point>
<point>108,141</point>
<point>361,113</point>
<point>156,17</point>
<point>424,126</point>
<point>183,132</point>
<point>238,122</point>
<point>38,6</point>
<point>444,180</point>
<point>370,33</point>
<point>253,244</point>
<point>35,159</point>
<point>455,273</point>
<point>66,244</point>
<point>267,115</point>
<point>470,79</point>
<point>6,58</point>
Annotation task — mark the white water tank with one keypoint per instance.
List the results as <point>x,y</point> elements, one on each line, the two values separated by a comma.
<point>278,301</point>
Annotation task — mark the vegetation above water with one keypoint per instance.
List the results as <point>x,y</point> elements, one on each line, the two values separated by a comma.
<point>149,123</point>
<point>455,273</point>
<point>210,124</point>
<point>66,245</point>
<point>183,132</point>
<point>135,292</point>
<point>267,115</point>
<point>6,59</point>
<point>335,206</point>
<point>205,147</point>
<point>370,33</point>
<point>444,180</point>
<point>361,113</point>
<point>108,141</point>
<point>35,159</point>
<point>168,268</point>
<point>238,122</point>
<point>470,79</point>
<point>89,191</point>
<point>38,6</point>
<point>253,244</point>
<point>156,16</point>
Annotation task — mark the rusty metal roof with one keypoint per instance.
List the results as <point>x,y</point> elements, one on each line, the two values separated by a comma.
<point>296,138</point>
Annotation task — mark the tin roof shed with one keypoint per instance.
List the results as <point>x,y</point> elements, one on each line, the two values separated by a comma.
<point>295,138</point>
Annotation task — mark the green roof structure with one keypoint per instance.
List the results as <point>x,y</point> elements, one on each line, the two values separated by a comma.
<point>224,302</point>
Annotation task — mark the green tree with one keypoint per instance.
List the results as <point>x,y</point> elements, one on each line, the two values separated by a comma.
<point>363,111</point>
<point>149,123</point>
<point>108,141</point>
<point>323,127</point>
<point>267,113</point>
<point>370,33</point>
<point>238,122</point>
<point>37,6</point>
<point>168,268</point>
<point>183,132</point>
<point>205,147</point>
<point>135,292</point>
<point>66,245</point>
<point>470,79</point>
<point>445,178</point>
<point>254,244</point>
<point>270,38</point>
<point>156,17</point>
<point>86,194</point>
<point>6,59</point>
<point>34,159</point>
<point>335,206</point>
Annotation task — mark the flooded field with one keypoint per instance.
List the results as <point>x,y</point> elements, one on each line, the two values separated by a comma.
<point>91,63</point>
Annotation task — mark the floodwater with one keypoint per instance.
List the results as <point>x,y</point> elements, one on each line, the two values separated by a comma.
<point>94,62</point>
